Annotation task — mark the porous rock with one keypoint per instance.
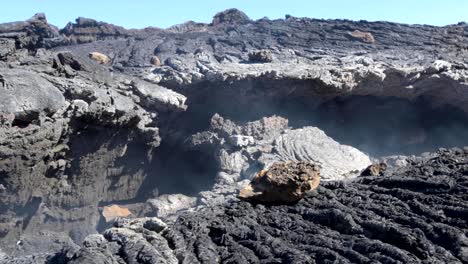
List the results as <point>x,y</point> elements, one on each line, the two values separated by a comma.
<point>114,211</point>
<point>155,61</point>
<point>375,170</point>
<point>283,182</point>
<point>260,56</point>
<point>27,94</point>
<point>405,217</point>
<point>99,57</point>
<point>365,37</point>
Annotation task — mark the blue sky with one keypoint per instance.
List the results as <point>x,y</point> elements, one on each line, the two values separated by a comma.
<point>142,13</point>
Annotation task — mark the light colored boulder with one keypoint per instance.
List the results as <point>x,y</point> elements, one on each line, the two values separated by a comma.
<point>241,141</point>
<point>23,93</point>
<point>283,182</point>
<point>312,144</point>
<point>99,57</point>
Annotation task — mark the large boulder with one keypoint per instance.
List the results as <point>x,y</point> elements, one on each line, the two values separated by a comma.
<point>158,97</point>
<point>283,182</point>
<point>169,204</point>
<point>27,95</point>
<point>365,37</point>
<point>312,144</point>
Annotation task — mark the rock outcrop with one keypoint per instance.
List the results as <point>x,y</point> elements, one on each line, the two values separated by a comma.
<point>375,170</point>
<point>283,182</point>
<point>30,34</point>
<point>76,135</point>
<point>86,30</point>
<point>417,215</point>
<point>262,56</point>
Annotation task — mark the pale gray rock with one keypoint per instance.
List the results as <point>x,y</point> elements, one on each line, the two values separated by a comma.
<point>274,141</point>
<point>167,205</point>
<point>158,97</point>
<point>311,144</point>
<point>7,47</point>
<point>27,94</point>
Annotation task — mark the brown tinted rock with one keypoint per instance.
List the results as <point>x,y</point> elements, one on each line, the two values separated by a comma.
<point>365,37</point>
<point>230,16</point>
<point>260,56</point>
<point>99,57</point>
<point>114,211</point>
<point>375,170</point>
<point>155,61</point>
<point>283,182</point>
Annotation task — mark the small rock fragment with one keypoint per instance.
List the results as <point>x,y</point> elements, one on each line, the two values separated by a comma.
<point>155,61</point>
<point>260,56</point>
<point>99,57</point>
<point>283,182</point>
<point>365,37</point>
<point>114,211</point>
<point>375,170</point>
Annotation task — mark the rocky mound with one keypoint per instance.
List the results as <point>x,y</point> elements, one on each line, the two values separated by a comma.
<point>415,215</point>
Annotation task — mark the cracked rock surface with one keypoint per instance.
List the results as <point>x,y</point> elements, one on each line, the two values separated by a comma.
<point>178,120</point>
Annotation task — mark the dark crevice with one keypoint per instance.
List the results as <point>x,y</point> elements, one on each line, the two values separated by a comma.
<point>28,118</point>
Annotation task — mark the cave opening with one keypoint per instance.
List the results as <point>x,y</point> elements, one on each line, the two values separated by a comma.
<point>377,125</point>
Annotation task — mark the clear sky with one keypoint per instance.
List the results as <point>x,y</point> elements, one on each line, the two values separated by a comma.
<point>142,13</point>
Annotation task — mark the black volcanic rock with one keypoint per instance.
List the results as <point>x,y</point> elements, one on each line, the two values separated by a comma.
<point>77,136</point>
<point>410,216</point>
<point>230,16</point>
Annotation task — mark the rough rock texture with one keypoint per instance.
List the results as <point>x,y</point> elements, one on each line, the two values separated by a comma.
<point>244,150</point>
<point>99,57</point>
<point>230,16</point>
<point>416,215</point>
<point>261,56</point>
<point>375,170</point>
<point>365,37</point>
<point>76,135</point>
<point>88,30</point>
<point>114,211</point>
<point>168,205</point>
<point>283,182</point>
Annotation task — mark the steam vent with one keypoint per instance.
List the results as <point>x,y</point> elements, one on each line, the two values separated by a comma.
<point>293,140</point>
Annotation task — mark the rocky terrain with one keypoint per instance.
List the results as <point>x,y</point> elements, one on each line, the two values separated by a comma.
<point>99,122</point>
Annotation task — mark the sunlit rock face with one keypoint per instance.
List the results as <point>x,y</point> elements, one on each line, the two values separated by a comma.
<point>188,131</point>
<point>283,182</point>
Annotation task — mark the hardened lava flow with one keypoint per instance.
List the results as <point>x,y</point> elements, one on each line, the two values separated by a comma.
<point>131,146</point>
